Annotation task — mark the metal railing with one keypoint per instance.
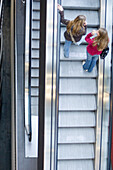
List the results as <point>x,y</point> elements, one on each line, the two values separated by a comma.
<point>48,78</point>
<point>106,118</point>
<point>14,104</point>
<point>28,69</point>
<point>104,90</point>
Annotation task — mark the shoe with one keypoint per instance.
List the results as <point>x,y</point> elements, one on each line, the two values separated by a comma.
<point>83,62</point>
<point>66,56</point>
<point>84,68</point>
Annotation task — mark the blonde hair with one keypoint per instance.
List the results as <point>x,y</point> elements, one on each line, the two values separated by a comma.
<point>78,24</point>
<point>101,40</point>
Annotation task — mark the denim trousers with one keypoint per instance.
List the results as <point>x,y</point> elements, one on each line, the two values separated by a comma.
<point>90,62</point>
<point>68,44</point>
<point>66,48</point>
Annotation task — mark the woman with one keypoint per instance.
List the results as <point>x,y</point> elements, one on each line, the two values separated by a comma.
<point>75,30</point>
<point>95,47</point>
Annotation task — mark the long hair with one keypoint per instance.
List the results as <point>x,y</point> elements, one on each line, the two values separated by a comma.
<point>78,25</point>
<point>101,40</point>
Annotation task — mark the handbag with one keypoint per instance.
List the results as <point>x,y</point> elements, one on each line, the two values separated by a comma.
<point>104,53</point>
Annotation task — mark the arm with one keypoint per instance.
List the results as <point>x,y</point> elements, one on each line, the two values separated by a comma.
<point>61,11</point>
<point>64,21</point>
<point>90,41</point>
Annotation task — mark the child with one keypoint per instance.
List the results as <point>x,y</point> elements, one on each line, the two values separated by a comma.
<point>75,30</point>
<point>95,47</point>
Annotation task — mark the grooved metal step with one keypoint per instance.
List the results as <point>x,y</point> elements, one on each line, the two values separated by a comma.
<point>36,24</point>
<point>35,43</point>
<point>77,86</point>
<point>76,135</point>
<point>36,14</point>
<point>76,52</point>
<point>75,164</point>
<point>75,151</point>
<point>34,72</point>
<point>35,63</point>
<point>84,4</point>
<point>71,14</point>
<point>77,102</point>
<point>35,34</point>
<point>35,53</point>
<point>36,5</point>
<point>34,91</point>
<point>76,119</point>
<point>34,82</point>
<point>34,101</point>
<point>75,69</point>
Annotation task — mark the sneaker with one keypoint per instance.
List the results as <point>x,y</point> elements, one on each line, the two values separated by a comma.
<point>66,56</point>
<point>84,68</point>
<point>83,62</point>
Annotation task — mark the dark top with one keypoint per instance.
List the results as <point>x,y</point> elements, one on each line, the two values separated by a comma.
<point>66,34</point>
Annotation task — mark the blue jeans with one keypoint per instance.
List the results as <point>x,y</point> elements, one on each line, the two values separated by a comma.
<point>90,62</point>
<point>66,48</point>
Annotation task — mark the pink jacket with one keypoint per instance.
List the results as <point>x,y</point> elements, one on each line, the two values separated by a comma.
<point>92,50</point>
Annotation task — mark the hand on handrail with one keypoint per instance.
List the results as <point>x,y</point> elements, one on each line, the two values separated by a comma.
<point>60,7</point>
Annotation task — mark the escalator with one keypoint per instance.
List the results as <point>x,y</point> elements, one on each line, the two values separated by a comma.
<point>76,103</point>
<point>79,98</point>
<point>25,32</point>
<point>77,95</point>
